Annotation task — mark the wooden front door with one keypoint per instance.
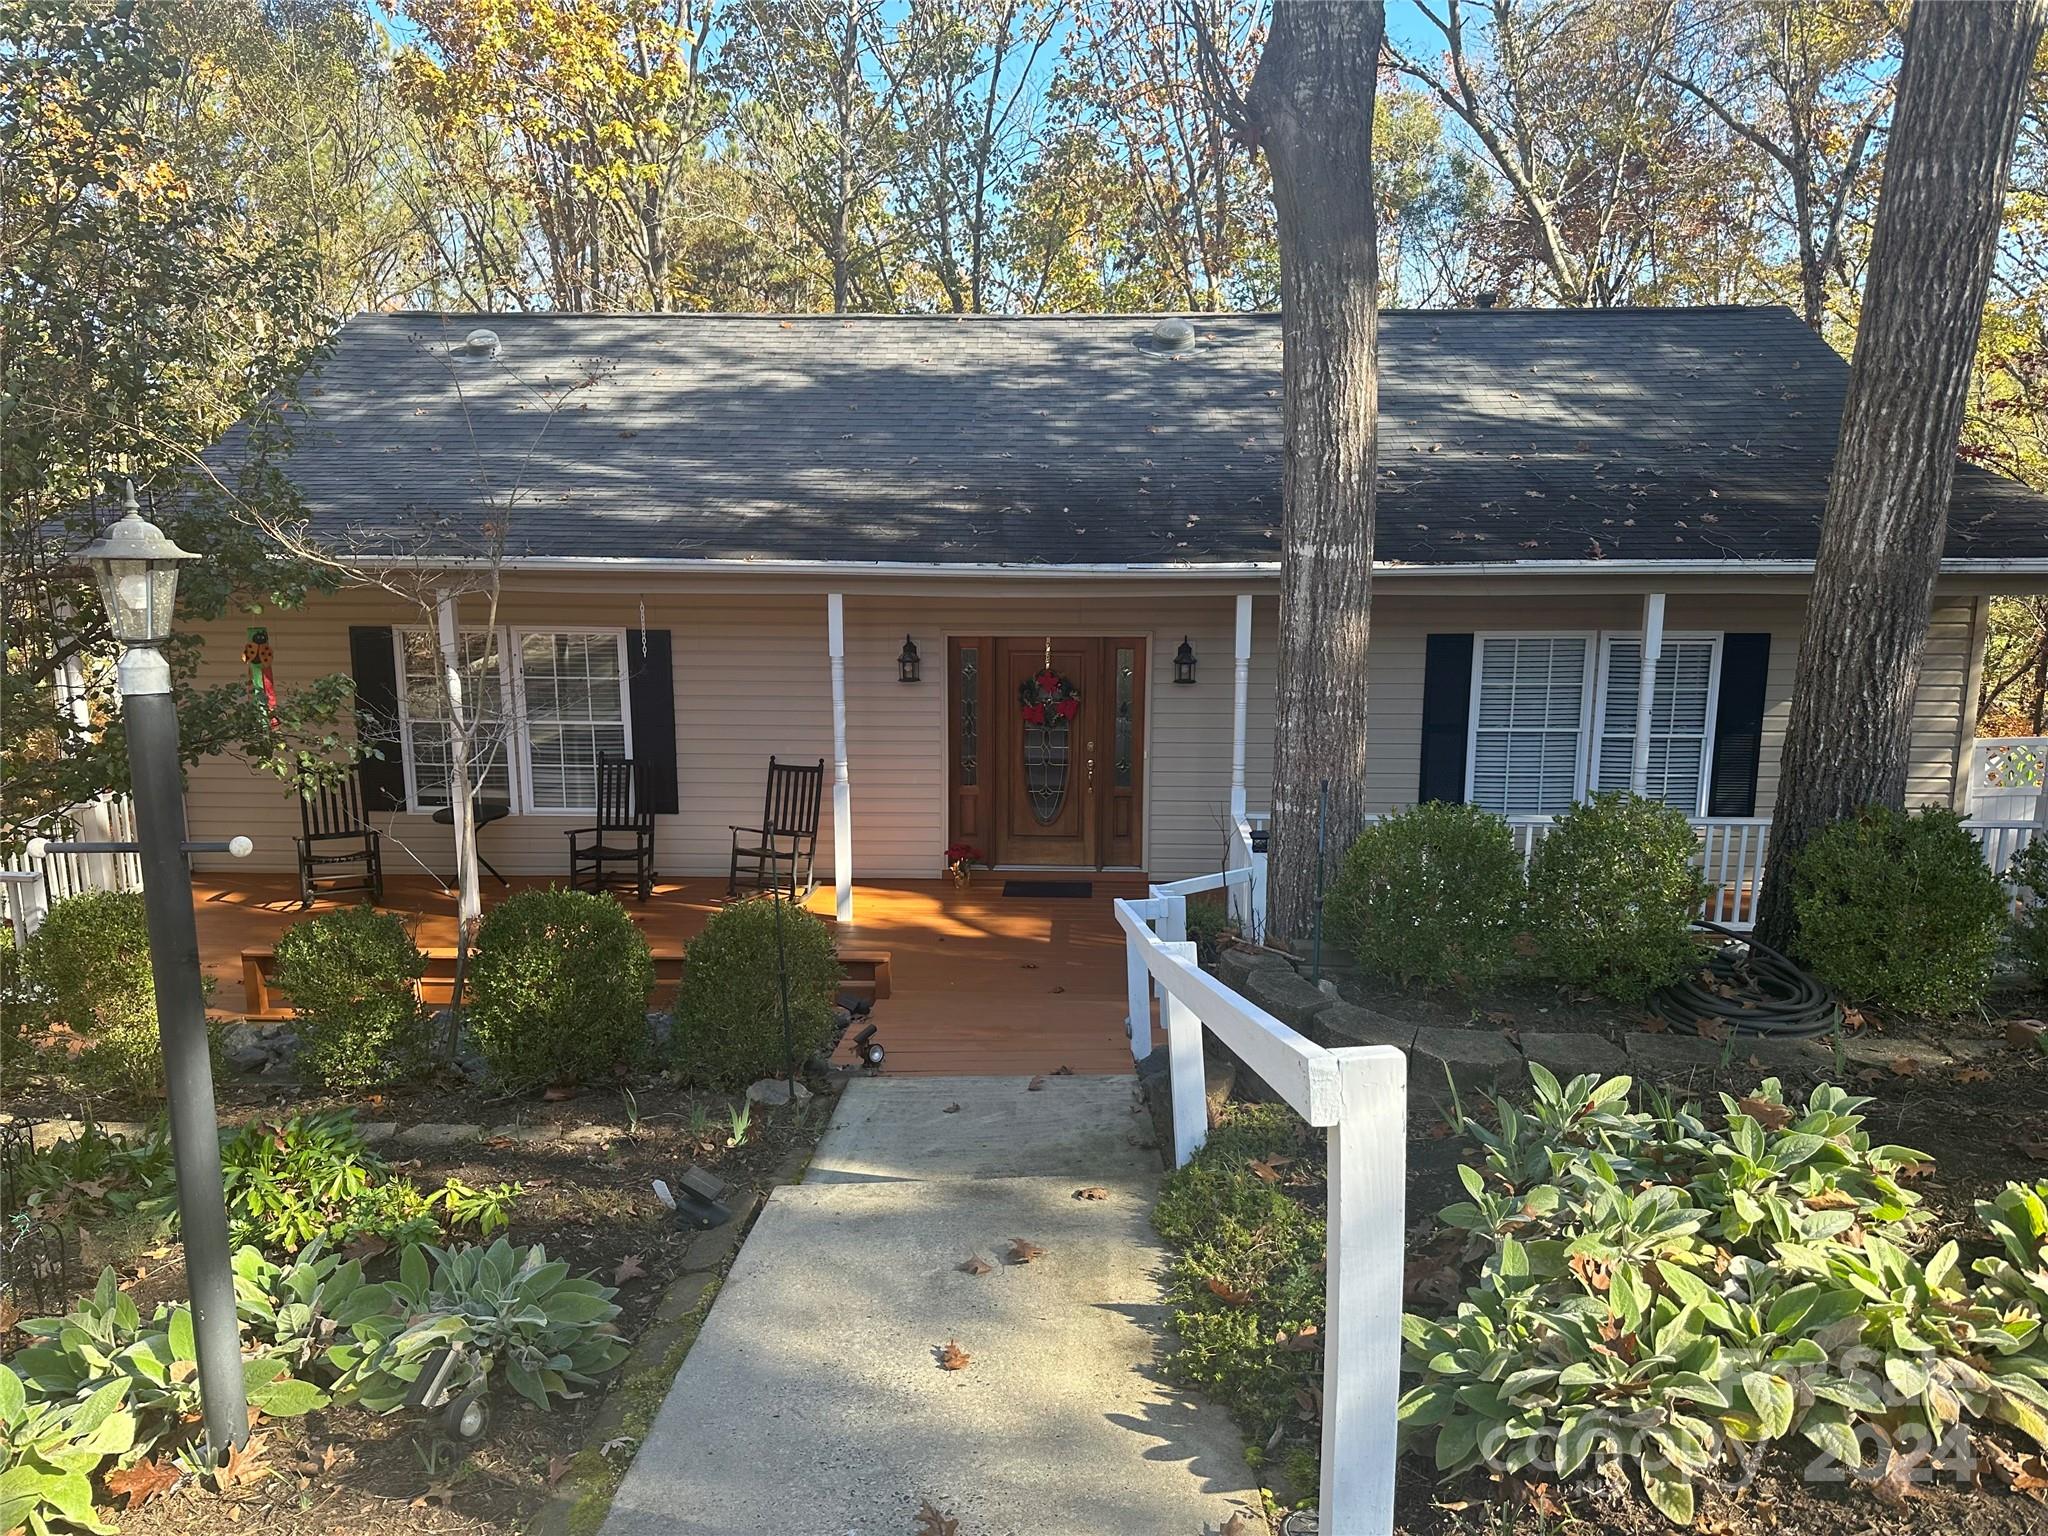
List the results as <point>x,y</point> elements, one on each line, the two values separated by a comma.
<point>1046,745</point>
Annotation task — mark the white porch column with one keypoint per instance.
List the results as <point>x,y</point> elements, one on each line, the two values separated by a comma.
<point>842,790</point>
<point>469,904</point>
<point>91,819</point>
<point>1652,653</point>
<point>1243,686</point>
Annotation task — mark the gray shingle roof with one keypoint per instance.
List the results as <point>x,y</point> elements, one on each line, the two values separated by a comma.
<point>1506,435</point>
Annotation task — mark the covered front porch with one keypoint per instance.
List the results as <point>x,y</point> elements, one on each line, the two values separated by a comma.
<point>976,981</point>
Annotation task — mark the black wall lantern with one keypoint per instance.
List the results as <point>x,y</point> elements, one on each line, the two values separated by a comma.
<point>908,664</point>
<point>1184,662</point>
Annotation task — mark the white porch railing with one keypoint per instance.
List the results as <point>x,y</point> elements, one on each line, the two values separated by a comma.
<point>29,886</point>
<point>1359,1096</point>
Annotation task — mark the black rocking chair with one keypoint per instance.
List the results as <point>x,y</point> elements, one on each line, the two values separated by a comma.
<point>624,833</point>
<point>788,832</point>
<point>335,837</point>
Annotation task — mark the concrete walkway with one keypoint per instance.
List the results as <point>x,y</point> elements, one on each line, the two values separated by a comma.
<point>813,1402</point>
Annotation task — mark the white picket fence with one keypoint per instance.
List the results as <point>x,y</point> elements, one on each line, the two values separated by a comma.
<point>1358,1095</point>
<point>29,886</point>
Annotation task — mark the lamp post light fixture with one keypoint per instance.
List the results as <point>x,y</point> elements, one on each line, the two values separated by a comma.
<point>136,567</point>
<point>1184,662</point>
<point>909,665</point>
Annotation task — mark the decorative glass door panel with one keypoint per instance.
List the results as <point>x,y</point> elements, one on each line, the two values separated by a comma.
<point>1046,744</point>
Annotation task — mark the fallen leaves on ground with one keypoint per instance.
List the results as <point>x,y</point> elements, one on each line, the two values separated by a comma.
<point>950,1109</point>
<point>558,1468</point>
<point>1237,1525</point>
<point>1062,1071</point>
<point>1772,1117</point>
<point>1229,1292</point>
<point>1092,1192</point>
<point>437,1493</point>
<point>631,1267</point>
<point>559,1093</point>
<point>244,1464</point>
<point>367,1246</point>
<point>2034,1146</point>
<point>2026,1474</point>
<point>2025,1034</point>
<point>1267,1169</point>
<point>1036,1085</point>
<point>142,1482</point>
<point>975,1264</point>
<point>1904,1066</point>
<point>1974,1075</point>
<point>1309,1338</point>
<point>933,1522</point>
<point>952,1357</point>
<point>1023,1251</point>
<point>1597,1275</point>
<point>1710,1029</point>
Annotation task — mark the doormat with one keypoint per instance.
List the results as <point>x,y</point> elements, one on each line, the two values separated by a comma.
<point>1048,887</point>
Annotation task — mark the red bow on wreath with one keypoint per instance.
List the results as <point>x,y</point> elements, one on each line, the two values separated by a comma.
<point>1048,698</point>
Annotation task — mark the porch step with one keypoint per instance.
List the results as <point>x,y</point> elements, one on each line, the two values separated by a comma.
<point>867,973</point>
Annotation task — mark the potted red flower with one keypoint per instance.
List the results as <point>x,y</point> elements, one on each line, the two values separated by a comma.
<point>961,859</point>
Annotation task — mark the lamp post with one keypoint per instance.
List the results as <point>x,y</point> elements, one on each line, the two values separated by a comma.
<point>136,568</point>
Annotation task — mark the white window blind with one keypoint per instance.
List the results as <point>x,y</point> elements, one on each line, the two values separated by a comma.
<point>573,694</point>
<point>1528,723</point>
<point>1681,719</point>
<point>424,718</point>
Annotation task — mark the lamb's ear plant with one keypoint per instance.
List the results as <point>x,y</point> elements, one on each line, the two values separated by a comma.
<point>1650,1290</point>
<point>500,1308</point>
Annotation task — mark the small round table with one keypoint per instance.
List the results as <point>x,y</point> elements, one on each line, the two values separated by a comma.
<point>486,812</point>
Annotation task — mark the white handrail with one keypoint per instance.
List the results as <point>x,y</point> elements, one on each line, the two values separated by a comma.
<point>1359,1096</point>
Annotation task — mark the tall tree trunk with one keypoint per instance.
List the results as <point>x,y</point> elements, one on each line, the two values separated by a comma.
<point>1310,110</point>
<point>1961,89</point>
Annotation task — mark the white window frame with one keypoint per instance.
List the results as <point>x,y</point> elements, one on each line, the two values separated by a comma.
<point>512,685</point>
<point>1586,717</point>
<point>1594,733</point>
<point>524,737</point>
<point>413,804</point>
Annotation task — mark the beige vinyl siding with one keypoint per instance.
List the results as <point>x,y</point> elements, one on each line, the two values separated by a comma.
<point>752,679</point>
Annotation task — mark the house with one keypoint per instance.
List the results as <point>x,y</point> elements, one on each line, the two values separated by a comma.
<point>726,538</point>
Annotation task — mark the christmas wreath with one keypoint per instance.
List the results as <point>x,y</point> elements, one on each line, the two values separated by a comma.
<point>1048,698</point>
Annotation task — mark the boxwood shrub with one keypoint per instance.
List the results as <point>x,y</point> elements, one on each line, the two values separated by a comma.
<point>1613,892</point>
<point>2028,877</point>
<point>1432,894</point>
<point>1899,909</point>
<point>729,1010</point>
<point>558,990</point>
<point>352,975</point>
<point>86,969</point>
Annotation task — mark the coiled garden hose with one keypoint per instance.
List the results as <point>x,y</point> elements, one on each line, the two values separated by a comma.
<point>1748,989</point>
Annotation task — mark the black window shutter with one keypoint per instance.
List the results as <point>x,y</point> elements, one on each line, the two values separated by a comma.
<point>1446,712</point>
<point>1739,725</point>
<point>651,695</point>
<point>373,663</point>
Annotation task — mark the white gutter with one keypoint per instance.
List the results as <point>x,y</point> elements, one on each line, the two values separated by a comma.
<point>625,564</point>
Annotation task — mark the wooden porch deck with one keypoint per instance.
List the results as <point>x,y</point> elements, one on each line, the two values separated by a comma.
<point>981,983</point>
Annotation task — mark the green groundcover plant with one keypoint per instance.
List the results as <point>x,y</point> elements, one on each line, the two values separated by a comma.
<point>288,1183</point>
<point>1652,1291</point>
<point>100,1389</point>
